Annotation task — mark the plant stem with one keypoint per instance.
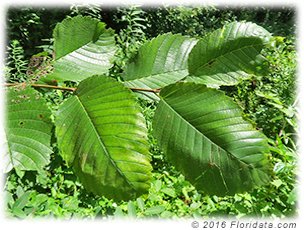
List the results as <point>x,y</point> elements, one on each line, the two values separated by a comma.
<point>146,90</point>
<point>41,86</point>
<point>69,88</point>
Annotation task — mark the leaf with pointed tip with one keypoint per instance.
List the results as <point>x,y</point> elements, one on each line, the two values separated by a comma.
<point>202,133</point>
<point>102,135</point>
<point>159,62</point>
<point>28,130</point>
<point>83,47</point>
<point>227,55</point>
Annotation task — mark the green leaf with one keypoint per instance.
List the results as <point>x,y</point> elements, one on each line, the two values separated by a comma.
<point>202,133</point>
<point>227,55</point>
<point>157,184</point>
<point>83,47</point>
<point>155,210</point>
<point>28,130</point>
<point>140,203</point>
<point>277,183</point>
<point>169,192</point>
<point>159,62</point>
<point>102,134</point>
<point>131,209</point>
<point>22,201</point>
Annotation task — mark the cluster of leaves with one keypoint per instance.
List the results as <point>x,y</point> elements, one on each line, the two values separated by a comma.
<point>197,21</point>
<point>129,37</point>
<point>170,194</point>
<point>16,65</point>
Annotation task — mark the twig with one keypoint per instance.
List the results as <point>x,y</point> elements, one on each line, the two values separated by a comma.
<point>146,90</point>
<point>41,86</point>
<point>70,88</point>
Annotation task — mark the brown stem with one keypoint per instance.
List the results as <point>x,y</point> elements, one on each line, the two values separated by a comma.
<point>42,86</point>
<point>69,88</point>
<point>146,90</point>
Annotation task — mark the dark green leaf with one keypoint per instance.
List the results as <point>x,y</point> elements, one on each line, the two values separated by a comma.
<point>203,134</point>
<point>159,62</point>
<point>227,55</point>
<point>102,134</point>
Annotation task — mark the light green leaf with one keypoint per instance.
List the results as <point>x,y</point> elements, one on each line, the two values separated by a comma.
<point>202,133</point>
<point>155,210</point>
<point>21,202</point>
<point>28,130</point>
<point>131,209</point>
<point>227,55</point>
<point>140,203</point>
<point>277,183</point>
<point>159,62</point>
<point>169,192</point>
<point>83,47</point>
<point>102,134</point>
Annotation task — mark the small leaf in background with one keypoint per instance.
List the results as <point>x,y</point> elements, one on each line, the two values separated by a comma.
<point>277,183</point>
<point>157,184</point>
<point>155,210</point>
<point>292,198</point>
<point>169,192</point>
<point>118,212</point>
<point>131,209</point>
<point>20,203</point>
<point>166,214</point>
<point>140,203</point>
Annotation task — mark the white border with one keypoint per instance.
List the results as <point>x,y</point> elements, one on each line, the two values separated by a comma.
<point>146,223</point>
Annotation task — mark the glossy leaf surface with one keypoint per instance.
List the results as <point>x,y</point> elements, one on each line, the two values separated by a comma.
<point>227,55</point>
<point>102,134</point>
<point>83,47</point>
<point>203,134</point>
<point>159,62</point>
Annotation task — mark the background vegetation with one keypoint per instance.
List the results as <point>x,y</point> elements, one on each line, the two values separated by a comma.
<point>268,101</point>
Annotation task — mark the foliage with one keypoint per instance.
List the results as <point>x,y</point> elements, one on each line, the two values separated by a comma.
<point>227,55</point>
<point>29,26</point>
<point>99,123</point>
<point>197,21</point>
<point>82,47</point>
<point>16,65</point>
<point>107,147</point>
<point>269,100</point>
<point>129,37</point>
<point>142,72</point>
<point>55,190</point>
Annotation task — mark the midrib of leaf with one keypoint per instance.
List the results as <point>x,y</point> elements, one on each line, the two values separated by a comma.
<point>213,59</point>
<point>156,74</point>
<point>103,146</point>
<point>231,154</point>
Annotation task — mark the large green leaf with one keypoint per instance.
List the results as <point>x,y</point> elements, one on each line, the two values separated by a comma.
<point>28,129</point>
<point>227,55</point>
<point>83,47</point>
<point>102,134</point>
<point>159,62</point>
<point>202,133</point>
